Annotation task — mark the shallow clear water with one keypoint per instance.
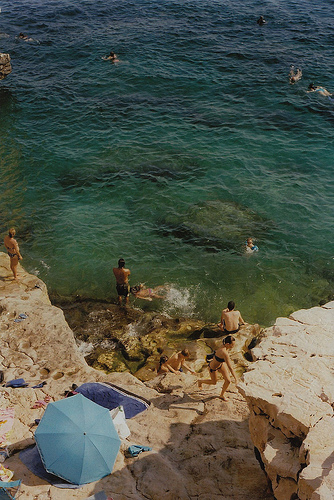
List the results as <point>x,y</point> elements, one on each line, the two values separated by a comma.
<point>101,161</point>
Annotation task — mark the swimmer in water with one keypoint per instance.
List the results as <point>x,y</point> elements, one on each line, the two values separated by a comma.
<point>261,21</point>
<point>112,57</point>
<point>322,91</point>
<point>24,37</point>
<point>141,292</point>
<point>250,247</point>
<point>295,76</point>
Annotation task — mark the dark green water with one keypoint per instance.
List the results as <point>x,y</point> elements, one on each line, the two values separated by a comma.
<point>173,156</point>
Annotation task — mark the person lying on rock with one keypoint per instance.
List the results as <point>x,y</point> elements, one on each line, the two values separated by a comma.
<point>175,363</point>
<point>141,292</point>
<point>220,362</point>
<point>230,319</point>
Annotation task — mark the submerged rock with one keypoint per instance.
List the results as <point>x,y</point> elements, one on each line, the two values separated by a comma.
<point>5,65</point>
<point>215,225</point>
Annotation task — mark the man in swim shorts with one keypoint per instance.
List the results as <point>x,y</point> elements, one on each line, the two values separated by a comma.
<point>230,319</point>
<point>122,281</point>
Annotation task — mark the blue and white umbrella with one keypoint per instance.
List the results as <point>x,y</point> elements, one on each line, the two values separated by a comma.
<point>77,440</point>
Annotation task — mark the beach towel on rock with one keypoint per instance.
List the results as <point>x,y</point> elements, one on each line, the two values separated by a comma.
<point>6,424</point>
<point>5,474</point>
<point>32,460</point>
<point>18,382</point>
<point>111,396</point>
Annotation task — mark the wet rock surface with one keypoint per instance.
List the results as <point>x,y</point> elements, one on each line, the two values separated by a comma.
<point>5,65</point>
<point>127,339</point>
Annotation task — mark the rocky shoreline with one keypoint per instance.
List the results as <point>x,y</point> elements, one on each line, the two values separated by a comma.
<point>202,448</point>
<point>129,339</point>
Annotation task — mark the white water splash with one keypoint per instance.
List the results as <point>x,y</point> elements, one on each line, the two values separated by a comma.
<point>84,348</point>
<point>179,301</point>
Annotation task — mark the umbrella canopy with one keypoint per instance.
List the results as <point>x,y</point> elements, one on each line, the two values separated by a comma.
<point>77,440</point>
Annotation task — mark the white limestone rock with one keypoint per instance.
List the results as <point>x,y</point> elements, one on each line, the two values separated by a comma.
<point>290,393</point>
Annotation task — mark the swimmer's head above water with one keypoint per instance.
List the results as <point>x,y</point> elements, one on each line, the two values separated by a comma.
<point>250,247</point>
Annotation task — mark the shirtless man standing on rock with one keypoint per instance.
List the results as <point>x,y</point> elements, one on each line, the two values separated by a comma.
<point>230,320</point>
<point>122,281</point>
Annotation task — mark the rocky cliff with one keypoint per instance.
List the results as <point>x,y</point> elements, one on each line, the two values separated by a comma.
<point>290,393</point>
<point>201,447</point>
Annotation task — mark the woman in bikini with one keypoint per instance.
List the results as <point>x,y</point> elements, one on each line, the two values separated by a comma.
<point>221,363</point>
<point>321,90</point>
<point>13,251</point>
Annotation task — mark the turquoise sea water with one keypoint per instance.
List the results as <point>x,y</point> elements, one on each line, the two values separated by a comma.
<point>173,156</point>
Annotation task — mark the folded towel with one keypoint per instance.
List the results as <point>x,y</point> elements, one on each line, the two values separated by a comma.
<point>18,382</point>
<point>135,449</point>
